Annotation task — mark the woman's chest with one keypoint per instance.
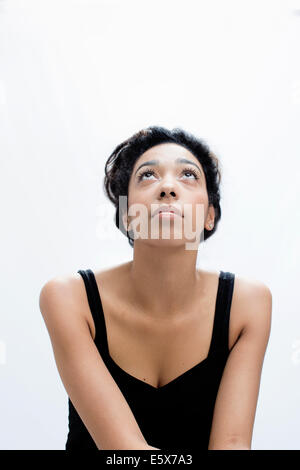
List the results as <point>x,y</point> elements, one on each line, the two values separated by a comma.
<point>157,351</point>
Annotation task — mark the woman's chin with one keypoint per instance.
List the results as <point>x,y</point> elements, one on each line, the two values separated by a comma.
<point>163,242</point>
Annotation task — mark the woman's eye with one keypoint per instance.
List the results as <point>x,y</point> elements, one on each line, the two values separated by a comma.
<point>149,172</point>
<point>191,172</point>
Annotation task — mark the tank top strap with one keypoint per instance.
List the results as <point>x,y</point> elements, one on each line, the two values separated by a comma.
<point>96,308</point>
<point>220,336</point>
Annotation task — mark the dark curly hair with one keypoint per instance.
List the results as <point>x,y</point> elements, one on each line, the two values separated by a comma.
<point>119,166</point>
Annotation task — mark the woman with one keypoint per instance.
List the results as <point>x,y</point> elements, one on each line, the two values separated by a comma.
<point>155,353</point>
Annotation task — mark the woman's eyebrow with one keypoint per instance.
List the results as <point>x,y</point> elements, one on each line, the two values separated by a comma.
<point>178,160</point>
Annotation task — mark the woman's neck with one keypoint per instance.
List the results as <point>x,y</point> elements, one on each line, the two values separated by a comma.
<point>164,280</point>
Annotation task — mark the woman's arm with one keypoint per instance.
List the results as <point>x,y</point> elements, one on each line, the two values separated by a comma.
<point>90,386</point>
<point>236,402</point>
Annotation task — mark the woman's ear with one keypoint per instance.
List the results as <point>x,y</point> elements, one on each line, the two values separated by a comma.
<point>210,216</point>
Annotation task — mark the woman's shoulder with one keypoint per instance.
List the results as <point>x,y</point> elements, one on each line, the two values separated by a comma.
<point>67,292</point>
<point>248,287</point>
<point>69,280</point>
<point>249,297</point>
<point>251,301</point>
<point>245,285</point>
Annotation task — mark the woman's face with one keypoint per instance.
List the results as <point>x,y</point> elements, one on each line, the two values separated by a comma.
<point>167,174</point>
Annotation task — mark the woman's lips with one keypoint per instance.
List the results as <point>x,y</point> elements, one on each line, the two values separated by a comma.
<point>167,215</point>
<point>169,209</point>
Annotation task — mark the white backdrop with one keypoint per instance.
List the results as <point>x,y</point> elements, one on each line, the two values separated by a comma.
<point>78,77</point>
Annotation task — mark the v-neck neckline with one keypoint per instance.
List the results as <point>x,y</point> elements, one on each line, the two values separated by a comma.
<point>168,384</point>
<point>179,377</point>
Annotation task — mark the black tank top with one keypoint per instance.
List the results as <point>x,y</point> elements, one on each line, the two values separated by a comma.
<point>179,414</point>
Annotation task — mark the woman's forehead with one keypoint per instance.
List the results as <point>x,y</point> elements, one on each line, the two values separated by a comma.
<point>166,153</point>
